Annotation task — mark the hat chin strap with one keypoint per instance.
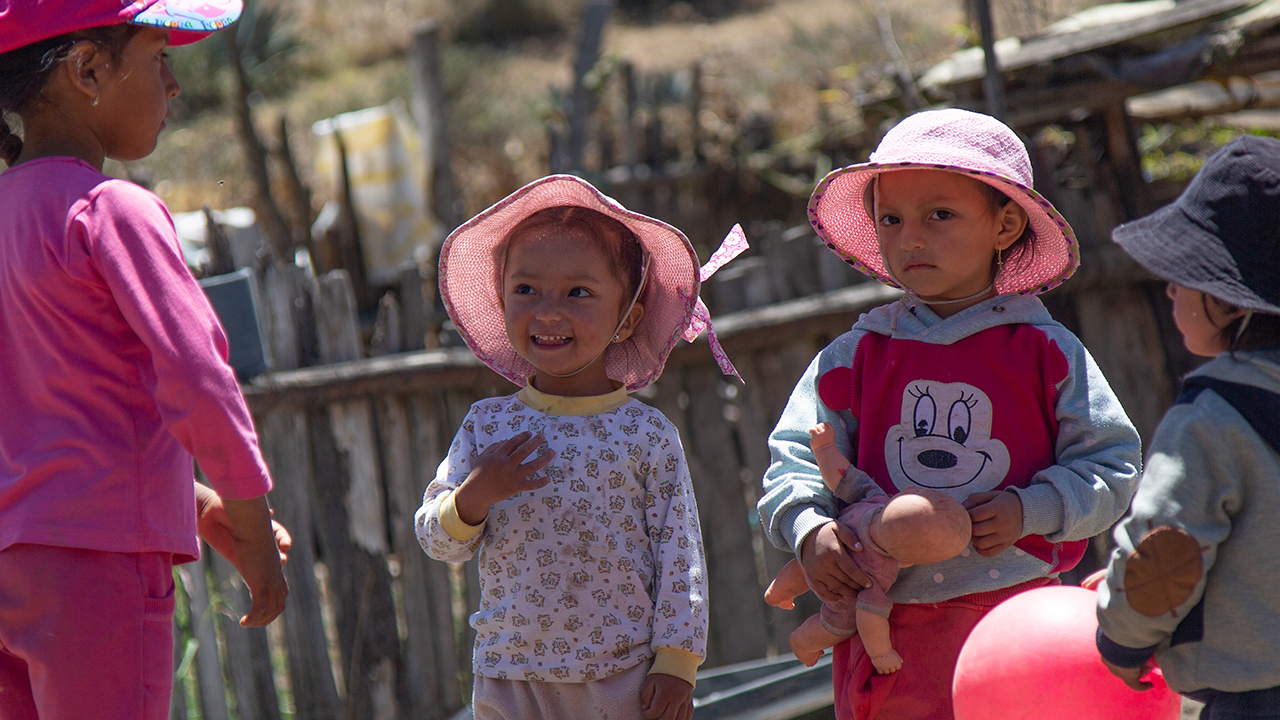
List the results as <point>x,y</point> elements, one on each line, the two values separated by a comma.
<point>644,279</point>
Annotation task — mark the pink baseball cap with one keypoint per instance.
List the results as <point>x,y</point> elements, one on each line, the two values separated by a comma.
<point>23,22</point>
<point>978,146</point>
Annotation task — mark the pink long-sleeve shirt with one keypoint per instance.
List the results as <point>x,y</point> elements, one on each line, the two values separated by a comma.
<point>113,370</point>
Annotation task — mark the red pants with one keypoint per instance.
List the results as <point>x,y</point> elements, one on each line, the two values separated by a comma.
<point>85,634</point>
<point>929,638</point>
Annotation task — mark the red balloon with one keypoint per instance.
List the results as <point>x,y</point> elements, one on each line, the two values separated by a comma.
<point>1033,658</point>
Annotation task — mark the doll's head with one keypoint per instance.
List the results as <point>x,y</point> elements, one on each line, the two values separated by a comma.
<point>571,279</point>
<point>921,527</point>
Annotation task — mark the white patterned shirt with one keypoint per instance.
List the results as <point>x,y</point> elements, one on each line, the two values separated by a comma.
<point>596,572</point>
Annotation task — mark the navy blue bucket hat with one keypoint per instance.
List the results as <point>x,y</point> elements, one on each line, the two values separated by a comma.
<point>1222,235</point>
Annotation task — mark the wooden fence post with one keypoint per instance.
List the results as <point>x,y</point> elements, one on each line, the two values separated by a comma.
<point>421,677</point>
<point>248,651</point>
<point>427,100</point>
<point>286,445</point>
<point>594,17</point>
<point>213,698</point>
<point>337,324</point>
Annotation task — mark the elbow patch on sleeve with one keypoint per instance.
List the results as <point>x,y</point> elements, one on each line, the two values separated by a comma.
<point>1162,572</point>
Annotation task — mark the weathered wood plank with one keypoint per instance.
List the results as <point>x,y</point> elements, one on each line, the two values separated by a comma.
<point>353,538</point>
<point>213,698</point>
<point>248,652</point>
<point>431,438</point>
<point>286,446</point>
<point>738,630</point>
<point>420,677</point>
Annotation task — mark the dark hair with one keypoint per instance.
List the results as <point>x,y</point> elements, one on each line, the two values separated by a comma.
<point>24,72</point>
<point>619,244</point>
<point>1263,330</point>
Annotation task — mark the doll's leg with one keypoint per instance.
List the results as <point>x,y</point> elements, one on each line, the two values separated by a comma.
<point>785,588</point>
<point>874,631</point>
<point>810,640</point>
<point>831,464</point>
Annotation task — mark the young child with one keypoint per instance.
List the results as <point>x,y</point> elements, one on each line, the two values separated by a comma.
<point>592,577</point>
<point>917,527</point>
<point>1194,581</point>
<point>965,386</point>
<point>112,375</point>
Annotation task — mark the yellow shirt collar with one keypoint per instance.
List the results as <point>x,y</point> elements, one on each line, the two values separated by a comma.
<point>572,406</point>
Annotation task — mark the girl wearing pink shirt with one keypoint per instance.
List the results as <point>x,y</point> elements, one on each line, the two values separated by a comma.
<point>112,374</point>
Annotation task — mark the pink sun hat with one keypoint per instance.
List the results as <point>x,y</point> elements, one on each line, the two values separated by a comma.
<point>471,283</point>
<point>23,22</point>
<point>959,141</point>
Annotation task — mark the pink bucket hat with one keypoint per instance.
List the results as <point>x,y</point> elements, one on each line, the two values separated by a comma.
<point>960,141</point>
<point>23,22</point>
<point>471,283</point>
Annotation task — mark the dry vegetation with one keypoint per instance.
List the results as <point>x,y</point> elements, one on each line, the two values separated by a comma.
<point>793,63</point>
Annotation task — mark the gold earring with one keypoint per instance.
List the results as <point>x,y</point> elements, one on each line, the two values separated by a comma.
<point>999,262</point>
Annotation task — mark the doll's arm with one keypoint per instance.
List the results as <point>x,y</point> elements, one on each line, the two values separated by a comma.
<point>832,464</point>
<point>787,586</point>
<point>874,631</point>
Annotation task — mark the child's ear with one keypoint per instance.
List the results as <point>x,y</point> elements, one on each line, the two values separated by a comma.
<point>629,324</point>
<point>1013,221</point>
<point>84,67</point>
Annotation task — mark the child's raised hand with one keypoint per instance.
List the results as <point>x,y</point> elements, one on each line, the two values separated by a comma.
<point>997,521</point>
<point>825,557</point>
<point>666,697</point>
<point>499,473</point>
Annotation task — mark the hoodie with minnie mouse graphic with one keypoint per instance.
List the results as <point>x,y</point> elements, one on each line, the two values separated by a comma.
<point>996,397</point>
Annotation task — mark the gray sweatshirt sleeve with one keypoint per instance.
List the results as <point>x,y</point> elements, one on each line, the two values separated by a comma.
<point>1190,492</point>
<point>1098,455</point>
<point>795,501</point>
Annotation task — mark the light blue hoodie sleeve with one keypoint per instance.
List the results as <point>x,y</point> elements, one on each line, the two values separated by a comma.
<point>1098,450</point>
<point>795,500</point>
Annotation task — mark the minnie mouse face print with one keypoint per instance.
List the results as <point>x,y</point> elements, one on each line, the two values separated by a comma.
<point>944,442</point>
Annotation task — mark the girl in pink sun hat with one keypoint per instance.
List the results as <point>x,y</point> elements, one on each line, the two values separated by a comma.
<point>577,300</point>
<point>965,386</point>
<point>113,374</point>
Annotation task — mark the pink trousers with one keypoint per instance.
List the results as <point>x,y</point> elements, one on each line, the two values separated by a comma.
<point>85,634</point>
<point>929,638</point>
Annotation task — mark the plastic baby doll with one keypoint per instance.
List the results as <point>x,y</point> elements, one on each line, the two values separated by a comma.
<point>915,527</point>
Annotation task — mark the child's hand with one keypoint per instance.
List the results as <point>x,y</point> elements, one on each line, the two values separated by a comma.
<point>1132,676</point>
<point>997,521</point>
<point>666,697</point>
<point>498,474</point>
<point>213,525</point>
<point>253,550</point>
<point>832,573</point>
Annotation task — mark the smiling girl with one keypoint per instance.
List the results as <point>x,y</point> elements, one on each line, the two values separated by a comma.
<point>965,386</point>
<point>593,582</point>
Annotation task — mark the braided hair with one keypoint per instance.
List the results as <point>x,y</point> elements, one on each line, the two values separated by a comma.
<point>25,71</point>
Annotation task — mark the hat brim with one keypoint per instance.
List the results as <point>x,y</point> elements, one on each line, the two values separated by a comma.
<point>471,286</point>
<point>189,20</point>
<point>838,216</point>
<point>1172,246</point>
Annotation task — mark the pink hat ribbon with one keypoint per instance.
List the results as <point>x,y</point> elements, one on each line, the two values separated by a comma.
<point>732,246</point>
